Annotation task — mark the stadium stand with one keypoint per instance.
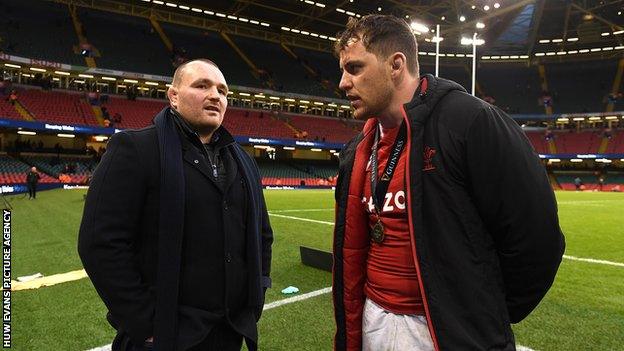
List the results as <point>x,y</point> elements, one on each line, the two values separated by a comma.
<point>40,30</point>
<point>580,90</point>
<point>125,43</point>
<point>134,113</point>
<point>79,169</point>
<point>539,142</point>
<point>518,92</point>
<point>57,106</point>
<point>323,128</point>
<point>277,173</point>
<point>616,143</point>
<point>7,110</point>
<point>203,44</point>
<point>13,171</point>
<point>256,123</point>
<point>572,142</point>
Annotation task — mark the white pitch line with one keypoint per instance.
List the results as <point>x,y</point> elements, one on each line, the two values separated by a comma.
<point>301,219</point>
<point>302,297</point>
<point>591,260</point>
<point>303,210</point>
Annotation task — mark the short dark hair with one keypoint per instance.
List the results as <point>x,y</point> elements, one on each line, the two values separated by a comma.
<point>381,35</point>
<point>178,72</point>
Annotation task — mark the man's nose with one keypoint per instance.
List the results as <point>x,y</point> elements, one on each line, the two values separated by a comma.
<point>345,82</point>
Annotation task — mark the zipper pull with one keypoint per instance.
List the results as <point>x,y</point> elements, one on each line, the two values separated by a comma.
<point>214,171</point>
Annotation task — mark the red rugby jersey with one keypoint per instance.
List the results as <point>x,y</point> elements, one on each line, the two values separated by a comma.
<point>392,281</point>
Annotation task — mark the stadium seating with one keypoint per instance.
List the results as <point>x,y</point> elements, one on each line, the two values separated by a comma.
<point>205,44</point>
<point>58,107</point>
<point>572,142</point>
<point>134,114</point>
<point>277,173</point>
<point>125,43</point>
<point>54,166</point>
<point>616,143</point>
<point>539,142</point>
<point>13,171</point>
<point>40,30</point>
<point>323,128</point>
<point>515,87</point>
<point>580,90</point>
<point>256,123</point>
<point>7,110</point>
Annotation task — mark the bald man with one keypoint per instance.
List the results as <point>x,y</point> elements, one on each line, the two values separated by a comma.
<point>175,234</point>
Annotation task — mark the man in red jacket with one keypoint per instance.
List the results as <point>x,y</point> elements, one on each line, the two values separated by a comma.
<point>446,225</point>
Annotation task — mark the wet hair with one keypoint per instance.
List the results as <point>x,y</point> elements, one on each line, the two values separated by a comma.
<point>381,35</point>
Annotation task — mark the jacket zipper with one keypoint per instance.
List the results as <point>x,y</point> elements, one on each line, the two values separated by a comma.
<point>412,234</point>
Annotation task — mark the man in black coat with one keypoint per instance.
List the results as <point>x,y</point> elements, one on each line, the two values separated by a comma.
<point>32,178</point>
<point>175,234</point>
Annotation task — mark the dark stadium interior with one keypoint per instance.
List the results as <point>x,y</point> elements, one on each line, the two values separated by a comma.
<point>272,57</point>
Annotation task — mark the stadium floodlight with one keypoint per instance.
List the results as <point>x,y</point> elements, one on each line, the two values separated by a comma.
<point>611,117</point>
<point>100,137</point>
<point>573,39</point>
<point>486,8</point>
<point>544,41</point>
<point>60,135</point>
<point>318,103</point>
<point>578,119</point>
<point>151,83</point>
<point>82,75</point>
<point>260,96</point>
<point>195,9</point>
<point>419,27</point>
<point>133,81</point>
<point>25,132</point>
<point>288,148</point>
<point>79,81</point>
<point>480,25</point>
<point>158,2</point>
<point>61,73</point>
<point>304,101</point>
<point>576,160</point>
<point>109,78</point>
<point>468,41</point>
<point>274,97</point>
<point>316,150</point>
<point>170,4</point>
<point>244,94</point>
<point>553,160</point>
<point>289,100</point>
<point>605,34</point>
<point>557,40</point>
<point>496,5</point>
<point>182,7</point>
<point>12,65</point>
<point>562,119</point>
<point>462,18</point>
<point>37,69</point>
<point>594,118</point>
<point>618,32</point>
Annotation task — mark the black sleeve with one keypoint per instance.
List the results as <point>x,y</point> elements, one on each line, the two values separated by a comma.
<point>267,241</point>
<point>514,197</point>
<point>108,235</point>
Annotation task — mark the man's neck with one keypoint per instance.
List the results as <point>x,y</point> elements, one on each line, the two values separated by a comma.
<point>393,117</point>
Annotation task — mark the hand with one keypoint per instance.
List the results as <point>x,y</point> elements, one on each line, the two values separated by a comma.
<point>150,339</point>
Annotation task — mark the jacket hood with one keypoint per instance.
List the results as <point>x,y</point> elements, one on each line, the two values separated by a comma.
<point>430,91</point>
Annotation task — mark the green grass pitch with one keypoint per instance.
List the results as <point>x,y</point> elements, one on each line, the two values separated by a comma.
<point>583,311</point>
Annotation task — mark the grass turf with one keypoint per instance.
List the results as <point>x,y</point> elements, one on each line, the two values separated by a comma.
<point>583,311</point>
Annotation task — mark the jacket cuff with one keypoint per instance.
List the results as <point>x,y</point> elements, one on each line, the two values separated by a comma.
<point>266,282</point>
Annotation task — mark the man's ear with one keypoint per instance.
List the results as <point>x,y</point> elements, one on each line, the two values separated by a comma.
<point>172,94</point>
<point>398,63</point>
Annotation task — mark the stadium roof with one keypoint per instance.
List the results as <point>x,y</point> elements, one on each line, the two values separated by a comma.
<point>516,27</point>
